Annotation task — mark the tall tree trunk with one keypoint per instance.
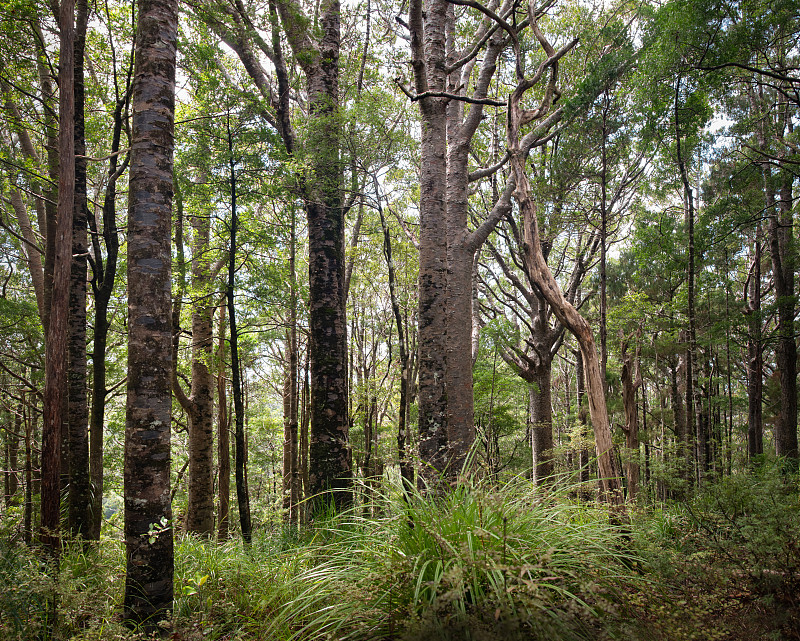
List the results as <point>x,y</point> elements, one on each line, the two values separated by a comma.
<point>80,490</point>
<point>329,462</point>
<point>783,267</point>
<point>305,420</point>
<point>428,57</point>
<point>604,240</point>
<point>57,330</point>
<point>199,405</point>
<point>51,195</point>
<point>693,399</point>
<point>242,491</point>
<point>223,437</point>
<point>291,472</point>
<point>30,429</point>
<point>148,513</point>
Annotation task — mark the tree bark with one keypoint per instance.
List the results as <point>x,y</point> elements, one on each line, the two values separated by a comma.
<point>329,456</point>
<point>541,413</point>
<point>80,490</point>
<point>783,267</point>
<point>199,405</point>
<point>57,330</point>
<point>30,429</point>
<point>447,247</point>
<point>583,456</point>
<point>148,513</point>
<point>223,437</point>
<point>291,475</point>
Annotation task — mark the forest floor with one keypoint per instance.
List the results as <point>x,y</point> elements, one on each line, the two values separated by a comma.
<point>484,564</point>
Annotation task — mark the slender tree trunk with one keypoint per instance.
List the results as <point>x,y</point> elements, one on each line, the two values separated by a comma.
<point>631,382</point>
<point>403,454</point>
<point>583,457</point>
<point>27,523</point>
<point>200,509</point>
<point>693,398</point>
<point>105,273</point>
<point>57,330</point>
<point>305,420</point>
<point>755,356</point>
<point>604,241</point>
<point>148,513</point>
<point>242,492</point>
<point>223,437</point>
<point>11,480</point>
<point>50,193</point>
<point>291,473</point>
<point>783,268</point>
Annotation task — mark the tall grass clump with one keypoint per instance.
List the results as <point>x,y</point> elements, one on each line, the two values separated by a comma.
<point>474,563</point>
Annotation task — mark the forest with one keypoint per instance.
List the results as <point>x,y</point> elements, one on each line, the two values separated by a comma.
<point>433,319</point>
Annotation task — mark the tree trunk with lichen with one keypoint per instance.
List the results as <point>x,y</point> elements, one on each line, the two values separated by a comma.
<point>148,513</point>
<point>329,455</point>
<point>442,75</point>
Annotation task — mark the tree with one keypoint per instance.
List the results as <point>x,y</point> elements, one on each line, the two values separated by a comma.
<point>329,459</point>
<point>57,327</point>
<point>519,149</point>
<point>199,403</point>
<point>80,499</point>
<point>316,47</point>
<point>447,247</point>
<point>148,513</point>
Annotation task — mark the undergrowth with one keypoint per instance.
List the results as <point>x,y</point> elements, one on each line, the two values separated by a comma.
<point>477,563</point>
